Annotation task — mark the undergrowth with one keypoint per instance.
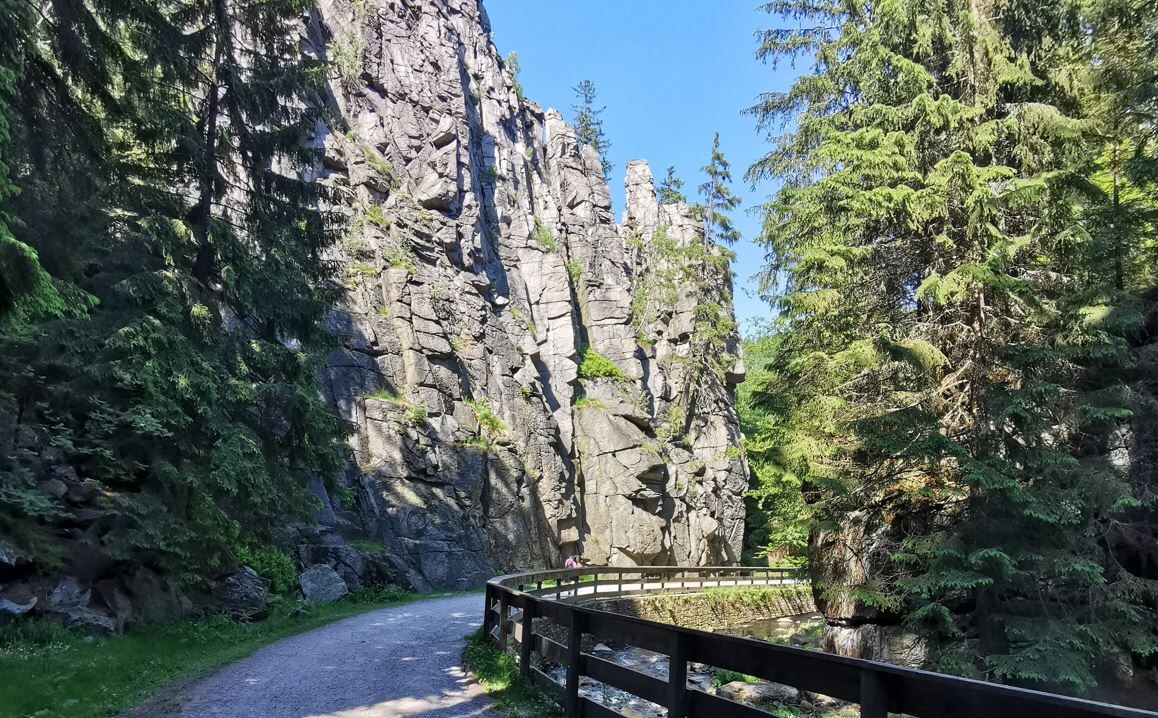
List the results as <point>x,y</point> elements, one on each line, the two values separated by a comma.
<point>498,673</point>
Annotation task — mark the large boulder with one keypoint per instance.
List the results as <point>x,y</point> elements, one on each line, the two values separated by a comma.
<point>322,584</point>
<point>11,608</point>
<point>243,595</point>
<point>88,621</point>
<point>759,693</point>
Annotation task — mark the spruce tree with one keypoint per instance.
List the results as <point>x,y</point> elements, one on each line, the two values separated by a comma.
<point>589,124</point>
<point>952,356</point>
<point>717,198</point>
<point>671,189</point>
<point>185,383</point>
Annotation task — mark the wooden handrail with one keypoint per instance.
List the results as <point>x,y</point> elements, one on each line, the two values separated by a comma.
<point>879,688</point>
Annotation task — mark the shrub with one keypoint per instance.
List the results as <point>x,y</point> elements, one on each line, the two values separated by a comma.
<point>593,365</point>
<point>543,236</point>
<point>489,421</point>
<point>270,562</point>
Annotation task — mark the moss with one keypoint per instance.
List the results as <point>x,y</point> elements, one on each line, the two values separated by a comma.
<point>586,402</point>
<point>364,269</point>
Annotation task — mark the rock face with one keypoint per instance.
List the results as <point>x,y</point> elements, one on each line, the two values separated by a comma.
<point>480,257</point>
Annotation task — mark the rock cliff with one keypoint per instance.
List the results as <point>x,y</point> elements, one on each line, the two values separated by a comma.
<point>482,268</point>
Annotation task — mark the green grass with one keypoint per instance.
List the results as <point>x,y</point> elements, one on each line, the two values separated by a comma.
<point>367,545</point>
<point>498,673</point>
<point>50,672</point>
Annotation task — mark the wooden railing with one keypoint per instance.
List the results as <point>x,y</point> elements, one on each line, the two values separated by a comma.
<point>514,602</point>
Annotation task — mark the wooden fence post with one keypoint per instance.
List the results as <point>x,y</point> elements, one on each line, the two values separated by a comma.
<point>488,611</point>
<point>528,642</point>
<point>677,676</point>
<point>574,654</point>
<point>504,611</point>
<point>873,700</point>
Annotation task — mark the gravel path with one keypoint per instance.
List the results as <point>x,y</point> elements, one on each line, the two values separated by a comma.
<point>394,662</point>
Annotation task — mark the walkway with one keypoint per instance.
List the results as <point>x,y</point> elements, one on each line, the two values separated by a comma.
<point>390,663</point>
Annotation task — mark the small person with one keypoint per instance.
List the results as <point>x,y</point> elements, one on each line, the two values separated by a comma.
<point>572,562</point>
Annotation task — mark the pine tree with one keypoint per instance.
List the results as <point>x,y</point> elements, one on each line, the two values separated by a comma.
<point>671,189</point>
<point>717,199</point>
<point>951,359</point>
<point>589,124</point>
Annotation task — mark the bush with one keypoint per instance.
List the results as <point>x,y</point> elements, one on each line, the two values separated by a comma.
<point>593,365</point>
<point>270,562</point>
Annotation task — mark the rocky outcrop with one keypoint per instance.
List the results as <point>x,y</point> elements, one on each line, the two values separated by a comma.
<point>242,595</point>
<point>321,584</point>
<point>480,258</point>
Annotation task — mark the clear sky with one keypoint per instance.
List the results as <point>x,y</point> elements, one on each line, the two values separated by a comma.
<point>671,73</point>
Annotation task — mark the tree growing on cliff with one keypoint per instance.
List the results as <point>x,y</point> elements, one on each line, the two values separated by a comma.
<point>955,354</point>
<point>671,188</point>
<point>717,199</point>
<point>187,394</point>
<point>589,124</point>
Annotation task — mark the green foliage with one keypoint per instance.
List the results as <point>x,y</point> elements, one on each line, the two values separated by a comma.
<point>586,402</point>
<point>347,497</point>
<point>593,365</point>
<point>489,422</point>
<point>589,124</point>
<point>717,199</point>
<point>574,269</point>
<point>49,670</point>
<point>543,236</point>
<point>777,520</point>
<point>671,189</point>
<point>511,62</point>
<point>345,55</point>
<point>415,414</point>
<point>381,166</point>
<point>167,348</point>
<point>270,562</point>
<point>498,672</point>
<point>954,337</point>
<point>377,215</point>
<point>366,545</point>
<point>385,395</point>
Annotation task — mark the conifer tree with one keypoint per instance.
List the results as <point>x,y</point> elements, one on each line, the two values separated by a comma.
<point>949,355</point>
<point>717,198</point>
<point>186,384</point>
<point>589,124</point>
<point>671,189</point>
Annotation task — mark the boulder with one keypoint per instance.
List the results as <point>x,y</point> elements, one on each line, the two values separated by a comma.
<point>322,584</point>
<point>69,594</point>
<point>83,620</point>
<point>759,693</point>
<point>10,556</point>
<point>242,595</point>
<point>11,608</point>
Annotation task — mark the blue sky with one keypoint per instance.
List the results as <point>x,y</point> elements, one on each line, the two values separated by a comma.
<point>671,73</point>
